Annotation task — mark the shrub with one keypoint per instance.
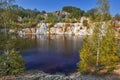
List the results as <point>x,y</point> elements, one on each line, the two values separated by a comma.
<point>11,63</point>
<point>51,25</point>
<point>85,23</point>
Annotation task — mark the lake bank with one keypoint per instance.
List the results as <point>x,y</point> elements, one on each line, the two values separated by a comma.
<point>39,75</point>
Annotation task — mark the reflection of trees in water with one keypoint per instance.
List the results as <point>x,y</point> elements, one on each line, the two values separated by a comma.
<point>66,44</point>
<point>8,42</point>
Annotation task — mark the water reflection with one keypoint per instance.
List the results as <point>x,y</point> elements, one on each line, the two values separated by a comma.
<point>54,53</point>
<point>8,42</point>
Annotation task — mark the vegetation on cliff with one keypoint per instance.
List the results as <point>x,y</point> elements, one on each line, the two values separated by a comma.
<point>15,17</point>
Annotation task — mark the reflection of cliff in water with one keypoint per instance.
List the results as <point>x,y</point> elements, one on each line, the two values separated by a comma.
<point>60,43</point>
<point>68,43</point>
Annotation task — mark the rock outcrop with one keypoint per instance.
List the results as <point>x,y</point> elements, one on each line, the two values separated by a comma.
<point>42,28</point>
<point>58,28</point>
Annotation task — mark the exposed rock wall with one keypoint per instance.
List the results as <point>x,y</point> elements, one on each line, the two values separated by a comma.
<point>58,28</point>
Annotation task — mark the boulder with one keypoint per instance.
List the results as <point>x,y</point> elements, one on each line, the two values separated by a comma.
<point>27,31</point>
<point>42,29</point>
<point>33,30</point>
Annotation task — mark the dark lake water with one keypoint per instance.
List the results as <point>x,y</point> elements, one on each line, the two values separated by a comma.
<point>53,54</point>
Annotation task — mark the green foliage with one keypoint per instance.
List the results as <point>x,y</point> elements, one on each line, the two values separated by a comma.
<point>91,13</point>
<point>107,17</point>
<point>39,18</point>
<point>74,12</point>
<point>85,23</point>
<point>9,17</point>
<point>51,18</point>
<point>100,51</point>
<point>11,63</point>
<point>43,12</point>
<point>51,25</point>
<point>87,58</point>
<point>95,15</point>
<point>5,3</point>
<point>108,57</point>
<point>8,42</point>
<point>25,20</point>
<point>103,6</point>
<point>117,17</point>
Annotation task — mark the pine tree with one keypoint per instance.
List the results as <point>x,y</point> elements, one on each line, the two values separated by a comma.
<point>11,63</point>
<point>87,63</point>
<point>108,57</point>
<point>100,50</point>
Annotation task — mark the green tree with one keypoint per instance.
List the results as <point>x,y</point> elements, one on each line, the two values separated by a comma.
<point>51,18</point>
<point>74,12</point>
<point>7,16</point>
<point>11,63</point>
<point>87,58</point>
<point>117,17</point>
<point>100,51</point>
<point>39,17</point>
<point>5,3</point>
<point>92,13</point>
<point>85,23</point>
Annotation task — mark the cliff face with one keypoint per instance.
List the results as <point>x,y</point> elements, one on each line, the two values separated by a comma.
<point>58,28</point>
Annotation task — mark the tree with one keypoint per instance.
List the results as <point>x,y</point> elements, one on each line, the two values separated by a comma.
<point>107,17</point>
<point>74,12</point>
<point>43,12</point>
<point>100,51</point>
<point>87,63</point>
<point>5,3</point>
<point>92,13</point>
<point>85,23</point>
<point>11,63</point>
<point>51,18</point>
<point>6,14</point>
<point>103,8</point>
<point>39,18</point>
<point>117,17</point>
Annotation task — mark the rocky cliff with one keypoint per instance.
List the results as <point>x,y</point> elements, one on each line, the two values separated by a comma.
<point>58,28</point>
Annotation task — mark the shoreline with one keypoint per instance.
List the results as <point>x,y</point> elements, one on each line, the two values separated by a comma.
<point>39,75</point>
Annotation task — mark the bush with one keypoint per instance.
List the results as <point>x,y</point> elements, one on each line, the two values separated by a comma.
<point>85,23</point>
<point>11,63</point>
<point>51,25</point>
